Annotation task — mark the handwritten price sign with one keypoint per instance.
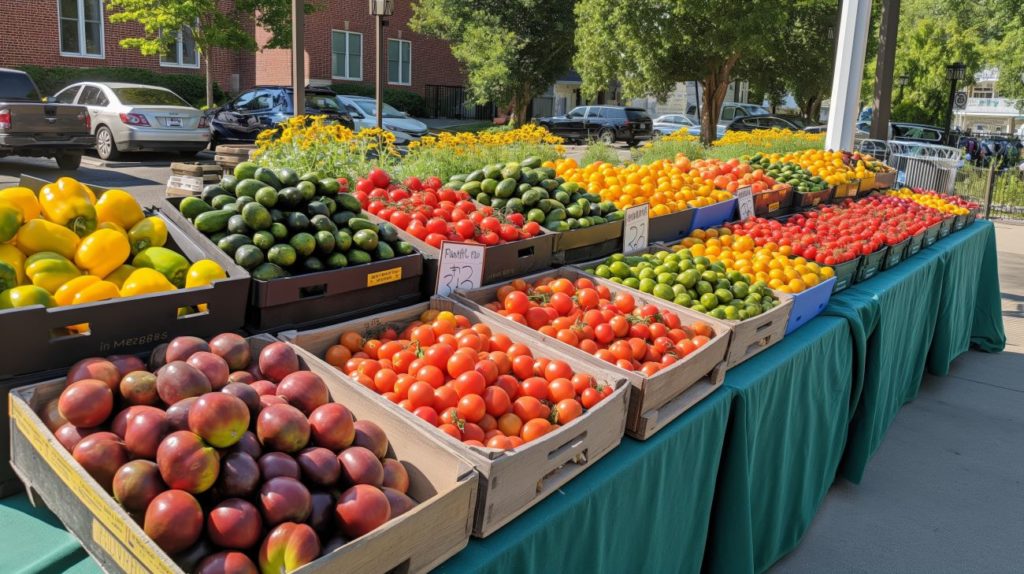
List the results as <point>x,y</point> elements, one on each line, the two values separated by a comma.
<point>461,267</point>
<point>745,202</point>
<point>636,229</point>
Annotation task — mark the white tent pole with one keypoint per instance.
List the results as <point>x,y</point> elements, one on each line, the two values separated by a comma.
<point>854,26</point>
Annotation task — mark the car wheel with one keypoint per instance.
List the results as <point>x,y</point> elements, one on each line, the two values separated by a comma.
<point>607,137</point>
<point>106,148</point>
<point>631,143</point>
<point>69,161</point>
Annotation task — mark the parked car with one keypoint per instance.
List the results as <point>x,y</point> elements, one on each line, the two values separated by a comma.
<point>29,127</point>
<point>136,117</point>
<point>608,124</point>
<point>671,123</point>
<point>263,107</point>
<point>901,131</point>
<point>730,112</point>
<point>751,123</point>
<point>363,111</point>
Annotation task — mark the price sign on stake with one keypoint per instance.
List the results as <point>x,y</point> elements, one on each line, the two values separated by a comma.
<point>636,229</point>
<point>745,202</point>
<point>461,267</point>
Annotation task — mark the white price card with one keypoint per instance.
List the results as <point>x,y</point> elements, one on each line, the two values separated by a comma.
<point>185,182</point>
<point>745,202</point>
<point>461,267</point>
<point>636,228</point>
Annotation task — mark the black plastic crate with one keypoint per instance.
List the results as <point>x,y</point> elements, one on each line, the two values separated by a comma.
<point>960,221</point>
<point>931,235</point>
<point>916,242</point>
<point>844,273</point>
<point>897,253</point>
<point>946,226</point>
<point>773,202</point>
<point>871,264</point>
<point>811,199</point>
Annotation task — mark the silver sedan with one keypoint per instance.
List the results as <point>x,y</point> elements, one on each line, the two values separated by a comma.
<point>135,117</point>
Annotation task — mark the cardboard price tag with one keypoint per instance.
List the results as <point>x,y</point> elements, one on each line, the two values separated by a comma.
<point>745,202</point>
<point>185,182</point>
<point>461,267</point>
<point>636,228</point>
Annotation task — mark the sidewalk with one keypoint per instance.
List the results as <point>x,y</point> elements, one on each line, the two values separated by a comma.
<point>945,491</point>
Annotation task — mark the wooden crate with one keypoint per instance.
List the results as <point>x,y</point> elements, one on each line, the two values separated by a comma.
<point>510,481</point>
<point>228,156</point>
<point>656,400</point>
<point>416,542</point>
<point>202,174</point>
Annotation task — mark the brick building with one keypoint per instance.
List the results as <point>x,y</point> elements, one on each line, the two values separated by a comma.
<point>340,40</point>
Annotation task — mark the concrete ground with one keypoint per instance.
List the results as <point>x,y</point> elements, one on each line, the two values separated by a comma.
<point>945,491</point>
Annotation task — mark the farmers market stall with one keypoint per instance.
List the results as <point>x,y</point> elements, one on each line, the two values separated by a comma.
<point>734,482</point>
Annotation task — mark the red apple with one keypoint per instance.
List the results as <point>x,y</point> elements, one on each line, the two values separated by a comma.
<point>332,426</point>
<point>361,509</point>
<point>234,524</point>
<point>174,520</point>
<point>187,463</point>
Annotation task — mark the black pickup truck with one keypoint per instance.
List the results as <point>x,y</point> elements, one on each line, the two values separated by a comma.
<point>30,127</point>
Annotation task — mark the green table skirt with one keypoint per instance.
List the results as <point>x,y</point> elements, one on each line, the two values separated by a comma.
<point>733,484</point>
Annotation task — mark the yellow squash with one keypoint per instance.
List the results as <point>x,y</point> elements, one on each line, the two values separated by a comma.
<point>50,270</point>
<point>24,199</point>
<point>13,256</point>
<point>25,296</point>
<point>204,272</point>
<point>150,232</point>
<point>102,251</point>
<point>118,276</point>
<point>85,289</point>
<point>40,235</point>
<point>70,204</point>
<point>118,206</point>
<point>145,281</point>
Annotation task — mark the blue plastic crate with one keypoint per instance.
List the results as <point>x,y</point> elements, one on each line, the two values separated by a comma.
<point>713,215</point>
<point>808,303</point>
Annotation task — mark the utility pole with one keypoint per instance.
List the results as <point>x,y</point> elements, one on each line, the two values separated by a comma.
<point>298,57</point>
<point>882,105</point>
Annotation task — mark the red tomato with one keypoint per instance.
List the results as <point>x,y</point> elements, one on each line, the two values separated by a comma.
<point>535,387</point>
<point>472,408</point>
<point>560,389</point>
<point>426,413</point>
<point>430,375</point>
<point>567,410</point>
<point>527,408</point>
<point>590,397</point>
<point>445,397</point>
<point>470,383</point>
<point>497,401</point>
<point>421,394</point>
<point>535,429</point>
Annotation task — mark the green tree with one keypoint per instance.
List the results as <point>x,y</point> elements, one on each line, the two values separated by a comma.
<point>512,50</point>
<point>649,45</point>
<point>214,24</point>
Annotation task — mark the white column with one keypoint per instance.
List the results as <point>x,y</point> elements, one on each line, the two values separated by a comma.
<point>854,26</point>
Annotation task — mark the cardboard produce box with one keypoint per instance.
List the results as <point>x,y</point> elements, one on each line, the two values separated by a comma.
<point>436,529</point>
<point>510,481</point>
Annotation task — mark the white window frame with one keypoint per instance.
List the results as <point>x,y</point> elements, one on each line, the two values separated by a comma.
<point>181,46</point>
<point>400,42</point>
<point>81,33</point>
<point>358,77</point>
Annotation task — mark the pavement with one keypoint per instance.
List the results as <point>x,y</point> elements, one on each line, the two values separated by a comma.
<point>945,491</point>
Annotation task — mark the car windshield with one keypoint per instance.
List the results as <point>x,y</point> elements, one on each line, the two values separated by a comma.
<point>369,108</point>
<point>17,87</point>
<point>322,102</point>
<point>148,97</point>
<point>797,121</point>
<point>637,115</point>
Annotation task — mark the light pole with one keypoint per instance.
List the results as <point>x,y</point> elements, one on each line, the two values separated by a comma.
<point>954,73</point>
<point>298,57</point>
<point>902,81</point>
<point>381,9</point>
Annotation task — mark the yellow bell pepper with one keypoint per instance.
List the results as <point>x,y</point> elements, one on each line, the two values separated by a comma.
<point>145,281</point>
<point>24,198</point>
<point>13,256</point>
<point>40,235</point>
<point>204,272</point>
<point>85,289</point>
<point>102,251</point>
<point>50,270</point>
<point>171,264</point>
<point>114,226</point>
<point>150,232</point>
<point>10,220</point>
<point>118,206</point>
<point>70,204</point>
<point>25,296</point>
<point>119,275</point>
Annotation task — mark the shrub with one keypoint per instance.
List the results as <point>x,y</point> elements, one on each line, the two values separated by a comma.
<point>190,87</point>
<point>600,151</point>
<point>406,101</point>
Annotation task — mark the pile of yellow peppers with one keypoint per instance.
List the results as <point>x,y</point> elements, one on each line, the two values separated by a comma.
<point>68,247</point>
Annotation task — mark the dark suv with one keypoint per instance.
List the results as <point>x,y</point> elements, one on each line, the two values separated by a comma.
<point>263,107</point>
<point>608,124</point>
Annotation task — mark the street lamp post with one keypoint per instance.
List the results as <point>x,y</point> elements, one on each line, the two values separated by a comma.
<point>954,73</point>
<point>902,81</point>
<point>381,9</point>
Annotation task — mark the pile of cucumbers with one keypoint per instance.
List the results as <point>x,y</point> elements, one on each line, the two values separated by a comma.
<point>790,173</point>
<point>535,191</point>
<point>276,223</point>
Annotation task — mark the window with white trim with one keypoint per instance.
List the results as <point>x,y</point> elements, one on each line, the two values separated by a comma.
<point>81,27</point>
<point>399,62</point>
<point>181,53</point>
<point>346,55</point>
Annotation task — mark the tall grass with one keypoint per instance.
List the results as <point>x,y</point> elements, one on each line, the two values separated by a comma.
<point>600,151</point>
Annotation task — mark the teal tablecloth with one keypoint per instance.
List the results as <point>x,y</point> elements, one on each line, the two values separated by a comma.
<point>734,483</point>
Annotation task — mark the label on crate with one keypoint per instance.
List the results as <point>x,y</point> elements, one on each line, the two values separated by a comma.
<point>105,540</point>
<point>745,202</point>
<point>773,205</point>
<point>636,228</point>
<point>93,500</point>
<point>461,267</point>
<point>185,182</point>
<point>382,277</point>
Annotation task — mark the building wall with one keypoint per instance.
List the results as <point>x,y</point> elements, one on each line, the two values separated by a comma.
<point>31,37</point>
<point>432,60</point>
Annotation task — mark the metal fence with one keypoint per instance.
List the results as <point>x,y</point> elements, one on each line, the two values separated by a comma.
<point>1000,190</point>
<point>921,165</point>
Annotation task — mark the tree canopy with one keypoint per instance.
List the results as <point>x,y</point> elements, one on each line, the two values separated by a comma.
<point>512,50</point>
